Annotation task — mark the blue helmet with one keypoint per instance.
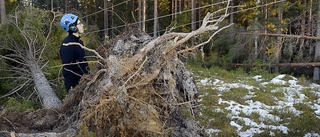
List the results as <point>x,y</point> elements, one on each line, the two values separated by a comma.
<point>68,22</point>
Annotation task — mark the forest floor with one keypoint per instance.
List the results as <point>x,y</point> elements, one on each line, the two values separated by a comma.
<point>235,103</point>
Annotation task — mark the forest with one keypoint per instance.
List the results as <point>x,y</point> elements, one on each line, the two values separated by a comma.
<point>278,36</point>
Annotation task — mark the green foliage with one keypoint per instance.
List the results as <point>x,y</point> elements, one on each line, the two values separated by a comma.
<point>302,80</point>
<point>84,132</point>
<point>265,73</point>
<point>195,59</point>
<point>310,95</point>
<point>5,84</point>
<point>267,97</point>
<point>236,94</point>
<point>11,5</point>
<point>229,75</point>
<point>20,105</point>
<point>35,32</point>
<point>305,123</point>
<point>248,15</point>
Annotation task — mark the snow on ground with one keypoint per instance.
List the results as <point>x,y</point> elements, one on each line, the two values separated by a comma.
<point>289,86</point>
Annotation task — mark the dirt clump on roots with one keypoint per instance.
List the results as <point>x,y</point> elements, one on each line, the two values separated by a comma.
<point>140,88</point>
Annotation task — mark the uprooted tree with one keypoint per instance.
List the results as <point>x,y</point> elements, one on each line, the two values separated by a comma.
<point>141,88</point>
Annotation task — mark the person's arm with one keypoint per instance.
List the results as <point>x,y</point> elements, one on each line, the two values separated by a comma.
<point>81,57</point>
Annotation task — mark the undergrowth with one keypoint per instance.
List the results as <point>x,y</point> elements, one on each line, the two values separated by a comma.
<point>20,105</point>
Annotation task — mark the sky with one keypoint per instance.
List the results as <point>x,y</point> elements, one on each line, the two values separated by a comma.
<point>289,87</point>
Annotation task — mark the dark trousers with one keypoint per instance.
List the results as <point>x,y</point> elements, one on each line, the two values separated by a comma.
<point>70,81</point>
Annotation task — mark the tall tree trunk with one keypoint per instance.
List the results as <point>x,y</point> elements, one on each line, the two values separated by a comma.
<point>105,17</point>
<point>3,11</point>
<point>317,48</point>
<point>256,36</point>
<point>303,28</point>
<point>140,14</point>
<point>155,21</point>
<point>172,10</point>
<point>51,5</point>
<point>231,11</point>
<point>175,10</point>
<point>44,90</point>
<point>309,30</point>
<point>66,6</point>
<point>193,18</point>
<point>198,4</point>
<point>112,18</point>
<point>144,15</point>
<point>264,48</point>
<point>278,52</point>
<point>310,26</point>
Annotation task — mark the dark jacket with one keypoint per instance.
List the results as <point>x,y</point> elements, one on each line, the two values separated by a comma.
<point>72,54</point>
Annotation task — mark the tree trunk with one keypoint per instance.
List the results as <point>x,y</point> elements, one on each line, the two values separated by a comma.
<point>256,36</point>
<point>144,15</point>
<point>317,48</point>
<point>309,30</point>
<point>3,11</point>
<point>302,33</point>
<point>112,18</point>
<point>264,46</point>
<point>175,10</point>
<point>278,52</point>
<point>105,16</point>
<point>172,10</point>
<point>155,21</point>
<point>66,6</point>
<point>193,18</point>
<point>44,90</point>
<point>140,14</point>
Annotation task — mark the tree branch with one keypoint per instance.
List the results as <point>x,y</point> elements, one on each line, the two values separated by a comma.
<point>91,50</point>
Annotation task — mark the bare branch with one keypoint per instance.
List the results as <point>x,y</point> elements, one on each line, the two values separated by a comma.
<point>201,44</point>
<point>202,29</point>
<point>14,60</point>
<point>16,89</point>
<point>47,37</point>
<point>91,50</point>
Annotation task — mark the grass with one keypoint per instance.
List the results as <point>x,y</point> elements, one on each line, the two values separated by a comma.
<point>235,94</point>
<point>311,96</point>
<point>216,116</point>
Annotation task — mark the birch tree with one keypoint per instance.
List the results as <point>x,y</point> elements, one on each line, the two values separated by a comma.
<point>25,36</point>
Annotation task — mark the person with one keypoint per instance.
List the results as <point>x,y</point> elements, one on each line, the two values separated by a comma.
<point>71,52</point>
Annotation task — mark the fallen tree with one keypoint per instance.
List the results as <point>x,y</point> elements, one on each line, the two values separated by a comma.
<point>141,88</point>
<point>24,38</point>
